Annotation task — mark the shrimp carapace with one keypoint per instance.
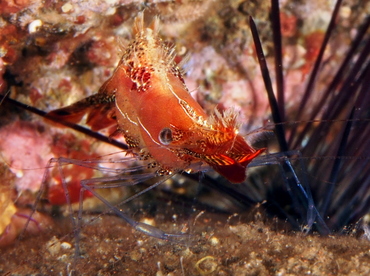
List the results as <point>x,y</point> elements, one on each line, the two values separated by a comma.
<point>148,102</point>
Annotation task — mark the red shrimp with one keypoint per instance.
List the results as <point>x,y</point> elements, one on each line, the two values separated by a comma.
<point>147,101</point>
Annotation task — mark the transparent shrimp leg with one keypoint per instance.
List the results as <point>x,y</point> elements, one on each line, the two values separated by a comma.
<point>89,185</point>
<point>298,189</point>
<point>121,178</point>
<point>312,212</point>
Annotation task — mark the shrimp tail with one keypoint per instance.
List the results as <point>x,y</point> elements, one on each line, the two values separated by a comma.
<point>100,110</point>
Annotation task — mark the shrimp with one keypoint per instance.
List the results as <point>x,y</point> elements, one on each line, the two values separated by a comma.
<point>146,100</point>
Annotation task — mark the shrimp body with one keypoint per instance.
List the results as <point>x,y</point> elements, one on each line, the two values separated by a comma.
<point>159,119</point>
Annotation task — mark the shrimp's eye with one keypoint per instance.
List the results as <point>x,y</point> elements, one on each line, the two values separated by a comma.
<point>165,136</point>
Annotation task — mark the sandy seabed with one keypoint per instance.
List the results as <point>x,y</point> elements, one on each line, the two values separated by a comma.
<point>111,247</point>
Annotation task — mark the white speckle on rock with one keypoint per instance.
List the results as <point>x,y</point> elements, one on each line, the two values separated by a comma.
<point>34,26</point>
